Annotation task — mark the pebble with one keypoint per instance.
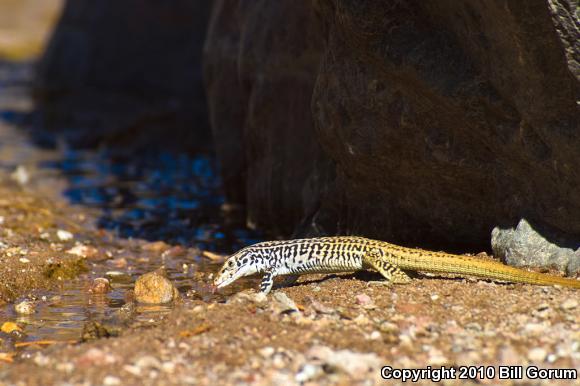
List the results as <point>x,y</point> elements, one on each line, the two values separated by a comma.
<point>41,360</point>
<point>95,357</point>
<point>363,299</point>
<point>155,288</point>
<point>537,354</point>
<point>118,277</point>
<point>569,304</point>
<point>309,372</point>
<point>24,260</point>
<point>25,307</point>
<point>100,285</point>
<point>174,252</point>
<point>85,251</point>
<point>134,370</point>
<point>148,362</point>
<point>8,327</point>
<point>436,357</point>
<point>168,367</point>
<point>267,352</point>
<point>64,235</point>
<point>356,364</point>
<point>111,380</point>
<point>155,246</point>
<point>259,297</point>
<point>388,327</point>
<point>534,328</point>
<point>375,335</point>
<point>283,303</point>
<point>65,367</point>
<point>119,262</point>
<point>321,308</point>
<point>474,326</point>
<point>361,320</point>
<point>509,356</point>
<point>20,175</point>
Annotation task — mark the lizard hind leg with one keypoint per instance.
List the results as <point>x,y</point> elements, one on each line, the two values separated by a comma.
<point>389,271</point>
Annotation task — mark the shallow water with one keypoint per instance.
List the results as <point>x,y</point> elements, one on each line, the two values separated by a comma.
<point>161,196</point>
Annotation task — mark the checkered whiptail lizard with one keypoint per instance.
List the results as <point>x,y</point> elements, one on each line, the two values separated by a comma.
<point>347,254</point>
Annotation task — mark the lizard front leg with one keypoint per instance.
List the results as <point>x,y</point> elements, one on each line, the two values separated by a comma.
<point>388,270</point>
<point>267,281</point>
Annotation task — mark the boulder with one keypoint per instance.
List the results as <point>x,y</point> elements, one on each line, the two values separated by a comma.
<point>125,72</point>
<point>260,64</point>
<point>448,118</point>
<point>433,122</point>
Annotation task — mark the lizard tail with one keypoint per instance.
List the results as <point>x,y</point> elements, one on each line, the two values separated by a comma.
<point>442,262</point>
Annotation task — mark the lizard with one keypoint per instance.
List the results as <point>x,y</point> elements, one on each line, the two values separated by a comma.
<point>352,253</point>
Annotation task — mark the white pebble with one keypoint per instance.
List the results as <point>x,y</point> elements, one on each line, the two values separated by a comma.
<point>375,335</point>
<point>24,307</point>
<point>24,260</point>
<point>111,381</point>
<point>20,175</point>
<point>308,372</point>
<point>64,235</point>
<point>168,367</point>
<point>267,352</point>
<point>537,354</point>
<point>41,359</point>
<point>569,304</point>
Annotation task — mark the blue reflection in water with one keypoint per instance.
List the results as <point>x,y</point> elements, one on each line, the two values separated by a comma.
<point>164,196</point>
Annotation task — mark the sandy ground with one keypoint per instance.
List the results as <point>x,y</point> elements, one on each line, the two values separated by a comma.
<point>327,330</point>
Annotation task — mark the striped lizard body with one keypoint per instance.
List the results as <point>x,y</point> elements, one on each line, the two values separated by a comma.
<point>350,253</point>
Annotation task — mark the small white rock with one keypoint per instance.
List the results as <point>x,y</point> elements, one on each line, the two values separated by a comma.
<point>436,357</point>
<point>135,370</point>
<point>569,304</point>
<point>110,380</point>
<point>260,297</point>
<point>267,352</point>
<point>65,367</point>
<point>308,372</point>
<point>64,235</point>
<point>534,328</point>
<point>20,175</point>
<point>148,362</point>
<point>168,367</point>
<point>537,354</point>
<point>41,359</point>
<point>375,335</point>
<point>25,307</point>
<point>24,260</point>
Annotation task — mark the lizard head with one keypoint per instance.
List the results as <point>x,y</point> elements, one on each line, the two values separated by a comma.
<point>242,263</point>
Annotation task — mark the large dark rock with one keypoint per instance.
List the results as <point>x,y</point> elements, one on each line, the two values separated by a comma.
<point>261,61</point>
<point>448,118</point>
<point>126,71</point>
<point>442,119</point>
